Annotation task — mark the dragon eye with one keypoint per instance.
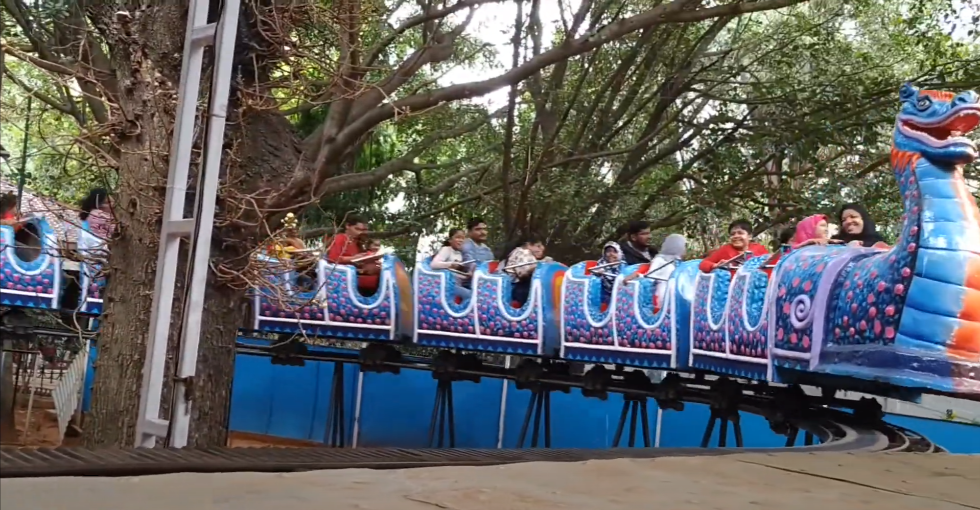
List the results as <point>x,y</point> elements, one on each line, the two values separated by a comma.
<point>923,103</point>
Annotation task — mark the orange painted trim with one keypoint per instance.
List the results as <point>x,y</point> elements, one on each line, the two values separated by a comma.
<point>938,95</point>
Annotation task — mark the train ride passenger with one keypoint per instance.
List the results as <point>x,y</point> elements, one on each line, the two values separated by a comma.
<point>858,229</point>
<point>371,248</point>
<point>8,211</point>
<point>611,254</point>
<point>636,247</point>
<point>672,250</point>
<point>520,265</point>
<point>450,257</point>
<point>475,248</point>
<point>739,241</point>
<point>784,237</point>
<point>96,209</point>
<point>346,249</point>
<point>812,230</point>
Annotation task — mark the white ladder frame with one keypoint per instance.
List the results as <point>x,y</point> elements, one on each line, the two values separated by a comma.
<point>198,37</point>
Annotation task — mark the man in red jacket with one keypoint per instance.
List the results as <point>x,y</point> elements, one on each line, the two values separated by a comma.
<point>739,241</point>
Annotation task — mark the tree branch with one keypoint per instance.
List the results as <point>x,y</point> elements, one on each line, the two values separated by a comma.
<point>415,21</point>
<point>666,13</point>
<point>44,98</point>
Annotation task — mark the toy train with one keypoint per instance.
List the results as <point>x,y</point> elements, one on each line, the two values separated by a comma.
<point>907,317</point>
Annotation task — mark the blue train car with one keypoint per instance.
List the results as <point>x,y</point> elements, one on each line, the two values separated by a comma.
<point>30,266</point>
<point>334,307</point>
<point>489,320</point>
<point>906,316</point>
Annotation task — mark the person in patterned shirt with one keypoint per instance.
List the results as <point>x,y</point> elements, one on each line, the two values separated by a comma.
<point>522,262</point>
<point>97,211</point>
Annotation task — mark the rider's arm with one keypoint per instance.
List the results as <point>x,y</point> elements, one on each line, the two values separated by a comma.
<point>708,263</point>
<point>442,259</point>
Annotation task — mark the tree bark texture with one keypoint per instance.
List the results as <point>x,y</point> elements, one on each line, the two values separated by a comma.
<point>264,147</point>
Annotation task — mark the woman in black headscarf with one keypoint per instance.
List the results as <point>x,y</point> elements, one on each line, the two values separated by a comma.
<point>857,228</point>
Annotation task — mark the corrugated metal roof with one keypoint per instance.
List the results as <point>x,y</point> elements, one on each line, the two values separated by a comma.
<point>61,217</point>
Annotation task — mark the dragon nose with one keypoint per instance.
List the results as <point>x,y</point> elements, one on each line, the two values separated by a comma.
<point>964,98</point>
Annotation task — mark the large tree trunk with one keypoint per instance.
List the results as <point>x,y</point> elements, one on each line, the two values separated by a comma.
<point>224,313</point>
<point>146,56</point>
<point>128,294</point>
<point>266,149</point>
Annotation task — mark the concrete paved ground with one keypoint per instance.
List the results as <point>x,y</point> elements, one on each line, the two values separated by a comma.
<point>736,482</point>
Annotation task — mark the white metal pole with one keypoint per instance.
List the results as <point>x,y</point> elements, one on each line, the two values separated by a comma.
<point>503,408</point>
<point>201,249</point>
<point>660,422</point>
<point>148,425</point>
<point>356,434</point>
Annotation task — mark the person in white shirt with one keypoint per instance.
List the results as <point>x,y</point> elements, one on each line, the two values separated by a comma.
<point>673,249</point>
<point>450,257</point>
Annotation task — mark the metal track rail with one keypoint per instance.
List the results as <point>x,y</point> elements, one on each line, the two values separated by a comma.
<point>837,432</point>
<point>21,463</point>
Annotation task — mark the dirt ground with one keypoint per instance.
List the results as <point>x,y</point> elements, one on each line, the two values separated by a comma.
<point>736,482</point>
<point>43,425</point>
<point>44,432</point>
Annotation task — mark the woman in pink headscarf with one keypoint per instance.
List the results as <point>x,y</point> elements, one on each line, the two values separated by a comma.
<point>812,230</point>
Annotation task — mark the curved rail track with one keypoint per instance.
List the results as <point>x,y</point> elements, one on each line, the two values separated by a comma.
<point>833,430</point>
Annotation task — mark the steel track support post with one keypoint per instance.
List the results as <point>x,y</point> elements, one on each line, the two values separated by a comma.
<point>336,435</point>
<point>791,437</point>
<point>725,401</point>
<point>634,406</point>
<point>198,36</point>
<point>537,408</point>
<point>446,370</point>
<point>443,416</point>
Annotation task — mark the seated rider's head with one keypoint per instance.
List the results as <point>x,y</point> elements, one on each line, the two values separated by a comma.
<point>372,245</point>
<point>786,235</point>
<point>355,227</point>
<point>456,238</point>
<point>852,219</point>
<point>740,234</point>
<point>476,229</point>
<point>812,227</point>
<point>535,245</point>
<point>97,199</point>
<point>674,246</point>
<point>610,253</point>
<point>638,234</point>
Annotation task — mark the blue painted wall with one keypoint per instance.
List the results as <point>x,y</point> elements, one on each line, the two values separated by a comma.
<point>396,410</point>
<point>287,401</point>
<point>954,436</point>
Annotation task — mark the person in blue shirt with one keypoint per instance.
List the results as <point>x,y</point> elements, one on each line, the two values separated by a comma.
<point>475,247</point>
